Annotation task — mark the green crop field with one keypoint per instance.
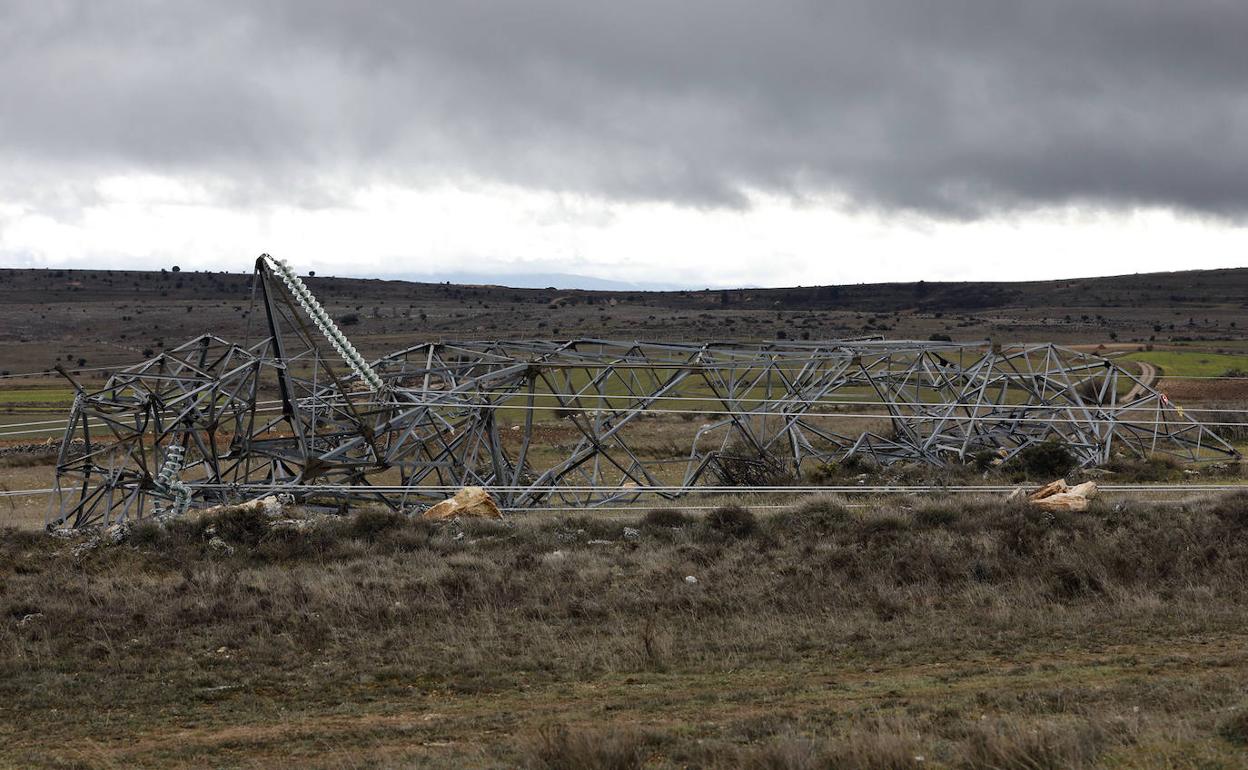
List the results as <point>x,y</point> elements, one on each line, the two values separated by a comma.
<point>37,396</point>
<point>1195,363</point>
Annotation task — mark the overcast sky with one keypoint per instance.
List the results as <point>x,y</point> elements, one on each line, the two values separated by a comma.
<point>697,143</point>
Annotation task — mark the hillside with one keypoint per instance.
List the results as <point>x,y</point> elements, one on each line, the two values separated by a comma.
<point>103,317</point>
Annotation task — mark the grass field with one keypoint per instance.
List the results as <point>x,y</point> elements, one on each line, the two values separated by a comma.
<point>1191,363</point>
<point>908,634</point>
<point>36,396</point>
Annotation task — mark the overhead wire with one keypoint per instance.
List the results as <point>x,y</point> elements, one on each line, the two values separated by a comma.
<point>669,489</point>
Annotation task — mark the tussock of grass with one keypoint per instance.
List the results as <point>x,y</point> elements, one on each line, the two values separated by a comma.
<point>732,521</point>
<point>558,748</point>
<point>670,518</point>
<point>1234,727</point>
<point>1011,744</point>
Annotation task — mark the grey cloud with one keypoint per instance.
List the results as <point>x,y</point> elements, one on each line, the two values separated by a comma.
<point>955,108</point>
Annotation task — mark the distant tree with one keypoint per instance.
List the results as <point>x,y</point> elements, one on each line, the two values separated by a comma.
<point>177,269</point>
<point>311,273</point>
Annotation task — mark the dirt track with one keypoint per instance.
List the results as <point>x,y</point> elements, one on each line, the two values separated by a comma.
<point>1147,378</point>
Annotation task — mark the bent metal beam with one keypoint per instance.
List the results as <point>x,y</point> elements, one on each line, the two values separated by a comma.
<point>580,422</point>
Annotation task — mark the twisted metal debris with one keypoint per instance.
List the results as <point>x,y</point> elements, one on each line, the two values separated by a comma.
<point>581,422</point>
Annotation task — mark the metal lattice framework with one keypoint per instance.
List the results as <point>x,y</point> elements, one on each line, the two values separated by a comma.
<point>581,422</point>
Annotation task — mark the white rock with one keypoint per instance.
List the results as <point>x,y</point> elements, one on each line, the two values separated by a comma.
<point>691,580</point>
<point>82,548</point>
<point>117,533</point>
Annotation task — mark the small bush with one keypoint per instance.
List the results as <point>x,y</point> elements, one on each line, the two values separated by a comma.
<point>864,750</point>
<point>742,465</point>
<point>1071,581</point>
<point>665,517</point>
<point>984,459</point>
<point>824,473</point>
<point>835,472</point>
<point>1232,510</point>
<point>812,517</point>
<point>1046,460</point>
<point>145,533</point>
<point>733,521</point>
<point>1234,728</point>
<point>558,748</point>
<point>937,514</point>
<point>1053,747</point>
<point>243,525</point>
<point>883,523</point>
<point>1152,469</point>
<point>368,524</point>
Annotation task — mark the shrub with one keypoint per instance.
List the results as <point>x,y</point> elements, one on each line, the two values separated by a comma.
<point>1234,728</point>
<point>883,523</point>
<point>1049,747</point>
<point>1073,581</point>
<point>145,533</point>
<point>744,466</point>
<point>558,748</point>
<point>984,459</point>
<point>368,524</point>
<point>1232,510</point>
<point>733,521</point>
<point>1048,460</point>
<point>937,514</point>
<point>350,319</point>
<point>1152,469</point>
<point>812,517</point>
<point>243,525</point>
<point>665,517</point>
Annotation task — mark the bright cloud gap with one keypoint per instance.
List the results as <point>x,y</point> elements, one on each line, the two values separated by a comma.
<point>485,230</point>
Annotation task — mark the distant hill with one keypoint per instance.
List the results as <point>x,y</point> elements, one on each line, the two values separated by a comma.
<point>1193,287</point>
<point>104,317</point>
<point>538,281</point>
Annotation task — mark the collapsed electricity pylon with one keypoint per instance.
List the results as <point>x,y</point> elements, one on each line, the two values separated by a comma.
<point>580,422</point>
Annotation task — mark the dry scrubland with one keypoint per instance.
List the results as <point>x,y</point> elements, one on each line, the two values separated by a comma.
<point>833,634</point>
<point>908,633</point>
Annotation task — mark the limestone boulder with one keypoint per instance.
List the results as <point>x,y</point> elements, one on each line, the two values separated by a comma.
<point>467,502</point>
<point>1060,496</point>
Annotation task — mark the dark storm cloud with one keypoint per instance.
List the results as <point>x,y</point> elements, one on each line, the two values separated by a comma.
<point>957,108</point>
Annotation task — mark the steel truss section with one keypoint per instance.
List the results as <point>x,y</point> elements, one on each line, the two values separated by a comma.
<point>581,422</point>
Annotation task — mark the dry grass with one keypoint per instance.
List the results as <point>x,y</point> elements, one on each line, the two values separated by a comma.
<point>967,632</point>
